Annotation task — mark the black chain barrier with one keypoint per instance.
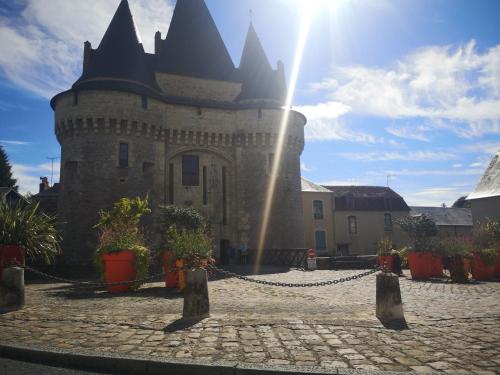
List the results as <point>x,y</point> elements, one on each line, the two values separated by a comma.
<point>294,285</point>
<point>90,284</point>
<point>95,285</point>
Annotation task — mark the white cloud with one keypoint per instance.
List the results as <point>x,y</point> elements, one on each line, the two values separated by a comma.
<point>323,124</point>
<point>457,85</point>
<point>13,143</point>
<point>28,176</point>
<point>435,196</point>
<point>42,48</point>
<point>305,168</point>
<point>429,156</point>
<point>427,172</point>
<point>348,182</point>
<point>416,132</point>
<point>457,165</point>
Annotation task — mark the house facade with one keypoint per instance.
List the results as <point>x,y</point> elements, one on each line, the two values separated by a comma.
<point>485,199</point>
<point>182,125</point>
<point>318,218</point>
<point>350,220</point>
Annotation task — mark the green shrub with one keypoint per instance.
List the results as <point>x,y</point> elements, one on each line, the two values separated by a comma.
<point>421,230</point>
<point>22,224</point>
<point>182,218</point>
<point>193,246</point>
<point>119,229</point>
<point>384,247</point>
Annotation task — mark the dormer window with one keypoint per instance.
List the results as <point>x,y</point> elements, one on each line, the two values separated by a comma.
<point>144,102</point>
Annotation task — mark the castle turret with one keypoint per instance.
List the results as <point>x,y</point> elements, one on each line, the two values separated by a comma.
<point>260,81</point>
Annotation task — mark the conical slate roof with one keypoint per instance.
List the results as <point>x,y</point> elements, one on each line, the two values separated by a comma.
<point>193,46</point>
<point>260,81</point>
<point>120,54</point>
<point>489,186</point>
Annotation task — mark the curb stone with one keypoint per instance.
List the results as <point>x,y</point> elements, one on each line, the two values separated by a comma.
<point>126,364</point>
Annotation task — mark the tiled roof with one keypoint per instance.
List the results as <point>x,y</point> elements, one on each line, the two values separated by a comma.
<point>489,186</point>
<point>309,186</point>
<point>445,215</point>
<point>367,198</point>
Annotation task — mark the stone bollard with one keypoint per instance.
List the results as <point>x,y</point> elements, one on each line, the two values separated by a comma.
<point>12,288</point>
<point>196,303</point>
<point>389,303</point>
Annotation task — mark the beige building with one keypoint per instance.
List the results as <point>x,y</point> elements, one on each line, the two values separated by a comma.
<point>350,220</point>
<point>485,199</point>
<point>183,125</point>
<point>318,218</point>
<point>451,221</point>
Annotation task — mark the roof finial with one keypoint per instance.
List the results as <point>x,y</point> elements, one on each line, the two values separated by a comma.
<point>250,13</point>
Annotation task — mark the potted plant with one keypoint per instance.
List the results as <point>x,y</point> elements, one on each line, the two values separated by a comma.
<point>485,250</point>
<point>26,231</point>
<point>195,247</point>
<point>186,218</point>
<point>493,227</point>
<point>121,255</point>
<point>421,258</point>
<point>384,247</point>
<point>457,252</point>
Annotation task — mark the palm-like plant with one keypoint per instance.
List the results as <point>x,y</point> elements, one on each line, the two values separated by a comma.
<point>23,225</point>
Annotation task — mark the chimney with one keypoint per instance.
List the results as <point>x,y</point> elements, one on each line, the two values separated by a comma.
<point>157,42</point>
<point>44,185</point>
<point>86,54</point>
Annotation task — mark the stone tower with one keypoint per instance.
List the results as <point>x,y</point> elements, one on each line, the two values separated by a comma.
<point>183,125</point>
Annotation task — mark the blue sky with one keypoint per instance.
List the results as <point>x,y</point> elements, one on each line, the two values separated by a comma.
<point>408,89</point>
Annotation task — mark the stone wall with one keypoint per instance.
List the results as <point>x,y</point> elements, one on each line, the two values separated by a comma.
<point>240,141</point>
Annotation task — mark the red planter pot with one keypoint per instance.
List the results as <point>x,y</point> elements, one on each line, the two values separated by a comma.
<point>481,271</point>
<point>436,266</point>
<point>119,267</point>
<point>8,254</point>
<point>496,272</point>
<point>421,265</point>
<point>387,259</point>
<point>171,278</point>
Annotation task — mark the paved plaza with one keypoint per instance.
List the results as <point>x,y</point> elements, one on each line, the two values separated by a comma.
<point>451,328</point>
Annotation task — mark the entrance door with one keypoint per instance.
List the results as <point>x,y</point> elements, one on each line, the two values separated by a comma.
<point>224,252</point>
<point>343,250</point>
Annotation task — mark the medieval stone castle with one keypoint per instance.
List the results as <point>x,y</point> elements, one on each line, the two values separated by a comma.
<point>184,126</point>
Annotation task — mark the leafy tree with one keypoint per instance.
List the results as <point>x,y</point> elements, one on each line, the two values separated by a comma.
<point>461,203</point>
<point>6,179</point>
<point>421,230</point>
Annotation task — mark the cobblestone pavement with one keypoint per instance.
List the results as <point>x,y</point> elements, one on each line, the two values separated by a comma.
<point>452,328</point>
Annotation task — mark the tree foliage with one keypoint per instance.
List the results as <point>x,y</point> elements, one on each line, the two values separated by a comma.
<point>6,179</point>
<point>421,230</point>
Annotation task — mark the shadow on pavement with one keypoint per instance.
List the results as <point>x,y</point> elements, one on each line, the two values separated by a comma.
<point>75,294</point>
<point>396,325</point>
<point>181,324</point>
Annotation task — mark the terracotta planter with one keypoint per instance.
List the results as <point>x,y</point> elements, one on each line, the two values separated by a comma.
<point>496,272</point>
<point>119,267</point>
<point>171,277</point>
<point>387,260</point>
<point>421,265</point>
<point>436,266</point>
<point>179,263</point>
<point>9,254</point>
<point>481,271</point>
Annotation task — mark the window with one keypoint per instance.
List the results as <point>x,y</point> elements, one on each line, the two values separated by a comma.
<point>75,97</point>
<point>259,113</point>
<point>270,162</point>
<point>318,209</point>
<point>224,196</point>
<point>205,200</point>
<point>352,224</point>
<point>387,222</point>
<point>190,170</point>
<point>123,155</point>
<point>350,202</point>
<point>171,183</point>
<point>320,239</point>
<point>144,102</point>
